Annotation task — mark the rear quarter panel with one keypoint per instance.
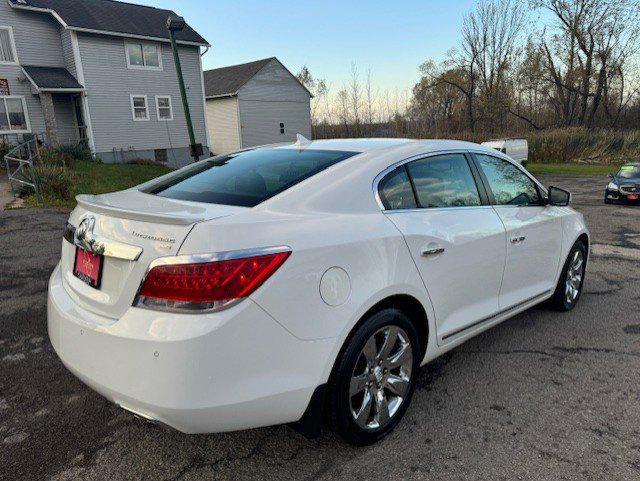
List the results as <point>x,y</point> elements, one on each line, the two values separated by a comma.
<point>368,247</point>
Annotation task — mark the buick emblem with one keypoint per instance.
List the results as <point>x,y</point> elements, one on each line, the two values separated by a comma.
<point>83,235</point>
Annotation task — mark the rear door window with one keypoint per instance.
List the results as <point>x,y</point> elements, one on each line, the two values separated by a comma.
<point>248,178</point>
<point>444,181</point>
<point>395,191</point>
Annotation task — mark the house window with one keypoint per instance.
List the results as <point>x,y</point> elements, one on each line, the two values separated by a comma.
<point>281,128</point>
<point>7,46</point>
<point>143,56</point>
<point>139,107</point>
<point>163,107</point>
<point>13,115</point>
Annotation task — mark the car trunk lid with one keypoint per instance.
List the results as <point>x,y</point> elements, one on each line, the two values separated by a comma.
<point>129,229</point>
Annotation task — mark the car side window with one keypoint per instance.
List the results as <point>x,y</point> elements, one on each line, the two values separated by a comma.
<point>444,181</point>
<point>395,190</point>
<point>510,186</point>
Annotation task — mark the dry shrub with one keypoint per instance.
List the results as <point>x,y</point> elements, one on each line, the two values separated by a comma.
<point>577,144</point>
<point>76,151</point>
<point>52,156</point>
<point>55,181</point>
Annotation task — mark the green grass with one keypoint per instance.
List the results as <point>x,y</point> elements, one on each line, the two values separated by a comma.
<point>98,178</point>
<point>573,169</point>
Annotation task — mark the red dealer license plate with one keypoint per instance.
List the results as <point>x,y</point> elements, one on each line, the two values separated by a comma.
<point>88,267</point>
<point>632,197</point>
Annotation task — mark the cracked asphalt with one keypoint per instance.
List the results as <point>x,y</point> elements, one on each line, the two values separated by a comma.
<point>542,396</point>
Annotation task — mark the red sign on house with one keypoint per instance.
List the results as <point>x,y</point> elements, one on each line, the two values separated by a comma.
<point>4,86</point>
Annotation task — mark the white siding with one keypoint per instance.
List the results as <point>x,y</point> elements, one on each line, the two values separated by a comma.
<point>110,84</point>
<point>222,120</point>
<point>37,43</point>
<point>37,36</point>
<point>272,96</point>
<point>261,121</point>
<point>67,51</point>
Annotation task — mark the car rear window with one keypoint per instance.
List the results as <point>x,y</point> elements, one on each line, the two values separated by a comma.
<point>247,178</point>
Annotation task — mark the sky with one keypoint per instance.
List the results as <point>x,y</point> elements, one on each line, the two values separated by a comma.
<point>388,38</point>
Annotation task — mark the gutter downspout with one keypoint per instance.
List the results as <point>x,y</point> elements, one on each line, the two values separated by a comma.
<point>183,92</point>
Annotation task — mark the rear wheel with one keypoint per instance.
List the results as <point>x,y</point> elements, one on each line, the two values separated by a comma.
<point>569,286</point>
<point>374,378</point>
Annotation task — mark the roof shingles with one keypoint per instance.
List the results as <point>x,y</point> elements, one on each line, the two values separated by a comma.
<point>47,78</point>
<point>115,17</point>
<point>227,81</point>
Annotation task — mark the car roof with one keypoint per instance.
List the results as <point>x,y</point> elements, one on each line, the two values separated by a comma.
<point>376,144</point>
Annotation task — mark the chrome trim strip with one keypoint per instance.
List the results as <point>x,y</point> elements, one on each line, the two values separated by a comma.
<point>99,245</point>
<point>200,258</point>
<point>436,209</point>
<point>217,256</point>
<point>498,314</point>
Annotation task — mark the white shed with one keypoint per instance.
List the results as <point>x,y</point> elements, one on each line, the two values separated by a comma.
<point>253,104</point>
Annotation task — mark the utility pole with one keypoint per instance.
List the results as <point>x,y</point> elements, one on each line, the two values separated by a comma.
<point>177,24</point>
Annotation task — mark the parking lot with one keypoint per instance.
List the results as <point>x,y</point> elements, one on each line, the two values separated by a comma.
<point>542,396</point>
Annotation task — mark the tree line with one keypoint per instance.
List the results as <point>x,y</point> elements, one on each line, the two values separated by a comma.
<point>519,66</point>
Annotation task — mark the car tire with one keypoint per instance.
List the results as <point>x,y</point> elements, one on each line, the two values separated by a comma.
<point>608,201</point>
<point>373,377</point>
<point>569,288</point>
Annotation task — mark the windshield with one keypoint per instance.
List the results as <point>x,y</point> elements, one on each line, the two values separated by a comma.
<point>247,178</point>
<point>629,172</point>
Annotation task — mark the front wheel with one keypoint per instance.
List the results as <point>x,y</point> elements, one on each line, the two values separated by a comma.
<point>569,286</point>
<point>374,378</point>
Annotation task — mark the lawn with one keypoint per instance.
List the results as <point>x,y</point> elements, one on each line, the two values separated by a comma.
<point>98,178</point>
<point>573,169</point>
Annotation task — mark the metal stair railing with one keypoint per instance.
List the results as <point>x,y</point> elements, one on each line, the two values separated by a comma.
<point>20,165</point>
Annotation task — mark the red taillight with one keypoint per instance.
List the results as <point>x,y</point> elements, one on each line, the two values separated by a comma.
<point>207,285</point>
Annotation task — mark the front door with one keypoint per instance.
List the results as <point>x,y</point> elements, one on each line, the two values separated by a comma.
<point>534,231</point>
<point>456,240</point>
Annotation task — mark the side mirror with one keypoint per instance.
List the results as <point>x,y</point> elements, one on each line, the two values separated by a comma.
<point>610,175</point>
<point>559,197</point>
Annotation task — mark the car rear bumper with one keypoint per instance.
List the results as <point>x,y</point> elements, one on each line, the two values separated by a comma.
<point>230,370</point>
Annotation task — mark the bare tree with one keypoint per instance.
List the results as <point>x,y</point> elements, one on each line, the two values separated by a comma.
<point>369,99</point>
<point>595,39</point>
<point>355,98</point>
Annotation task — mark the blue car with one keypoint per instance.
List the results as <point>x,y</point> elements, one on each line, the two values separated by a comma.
<point>624,187</point>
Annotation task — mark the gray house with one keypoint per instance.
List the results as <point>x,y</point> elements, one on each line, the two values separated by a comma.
<point>99,71</point>
<point>253,104</point>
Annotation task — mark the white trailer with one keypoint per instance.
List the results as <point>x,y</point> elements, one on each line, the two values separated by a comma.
<point>517,149</point>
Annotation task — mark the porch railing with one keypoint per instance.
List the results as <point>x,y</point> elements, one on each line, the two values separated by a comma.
<point>20,163</point>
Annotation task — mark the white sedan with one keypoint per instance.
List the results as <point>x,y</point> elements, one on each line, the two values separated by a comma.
<point>305,282</point>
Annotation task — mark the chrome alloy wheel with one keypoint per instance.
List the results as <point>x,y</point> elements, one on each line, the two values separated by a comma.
<point>574,277</point>
<point>380,379</point>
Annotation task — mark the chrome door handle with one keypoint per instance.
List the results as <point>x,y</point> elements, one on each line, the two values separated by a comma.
<point>518,240</point>
<point>432,252</point>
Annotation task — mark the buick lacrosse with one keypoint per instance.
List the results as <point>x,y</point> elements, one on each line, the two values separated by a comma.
<point>304,283</point>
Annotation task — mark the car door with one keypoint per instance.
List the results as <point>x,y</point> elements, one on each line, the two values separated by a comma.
<point>534,230</point>
<point>456,239</point>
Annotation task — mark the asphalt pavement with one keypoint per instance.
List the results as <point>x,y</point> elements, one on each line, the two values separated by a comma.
<point>543,396</point>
